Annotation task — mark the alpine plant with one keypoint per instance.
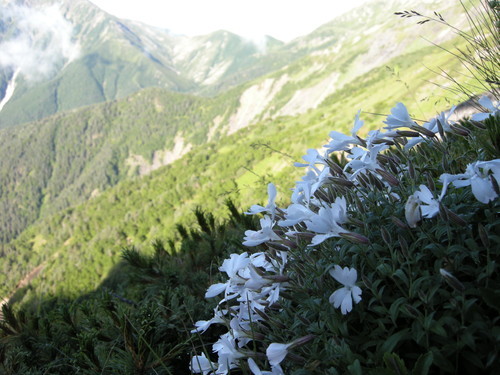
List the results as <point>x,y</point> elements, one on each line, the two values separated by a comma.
<point>335,253</point>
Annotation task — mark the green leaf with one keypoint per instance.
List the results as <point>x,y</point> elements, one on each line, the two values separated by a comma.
<point>438,329</point>
<point>423,364</point>
<point>394,340</point>
<point>491,297</point>
<point>355,368</point>
<point>394,363</point>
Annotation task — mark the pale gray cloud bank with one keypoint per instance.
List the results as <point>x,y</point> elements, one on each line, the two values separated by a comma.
<point>39,41</point>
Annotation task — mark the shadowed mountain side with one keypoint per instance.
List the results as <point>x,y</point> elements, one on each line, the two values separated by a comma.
<point>137,321</point>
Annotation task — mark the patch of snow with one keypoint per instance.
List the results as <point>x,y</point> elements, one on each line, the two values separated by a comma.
<point>10,90</point>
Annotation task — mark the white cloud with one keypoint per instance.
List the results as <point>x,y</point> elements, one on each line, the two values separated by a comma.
<point>42,41</point>
<point>282,19</point>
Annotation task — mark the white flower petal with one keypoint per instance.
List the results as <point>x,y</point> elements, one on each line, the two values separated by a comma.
<point>276,353</point>
<point>356,294</point>
<point>483,189</point>
<point>338,296</point>
<point>215,290</point>
<point>346,305</point>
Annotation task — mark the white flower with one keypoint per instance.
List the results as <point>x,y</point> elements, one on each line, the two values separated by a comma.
<point>232,267</point>
<point>312,158</point>
<point>488,104</point>
<point>327,220</point>
<point>311,182</point>
<point>294,214</point>
<point>271,206</point>
<point>257,371</point>
<point>276,353</point>
<point>476,175</point>
<point>227,352</point>
<point>343,297</point>
<point>254,238</point>
<point>203,325</point>
<point>340,141</point>
<point>216,289</point>
<point>256,281</point>
<point>201,364</point>
<point>399,118</point>
<point>412,211</point>
<point>364,159</point>
<point>235,263</point>
<point>428,205</point>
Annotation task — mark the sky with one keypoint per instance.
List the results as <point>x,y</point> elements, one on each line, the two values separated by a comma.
<point>282,19</point>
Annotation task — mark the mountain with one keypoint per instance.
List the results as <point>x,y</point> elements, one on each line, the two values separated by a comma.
<point>61,55</point>
<point>78,55</point>
<point>85,182</point>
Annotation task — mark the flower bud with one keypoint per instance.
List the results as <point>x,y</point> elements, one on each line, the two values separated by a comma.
<point>478,124</point>
<point>411,170</point>
<point>355,237</point>
<point>363,180</point>
<point>386,236</point>
<point>341,181</point>
<point>278,278</point>
<point>301,341</point>
<point>494,182</point>
<point>424,131</point>
<point>412,211</point>
<point>407,133</point>
<point>277,246</point>
<point>452,280</point>
<point>460,130</point>
<point>381,140</point>
<point>483,235</point>
<point>451,217</point>
<point>356,222</point>
<point>404,246</point>
<point>359,205</point>
<point>374,181</point>
<point>440,128</point>
<point>392,180</point>
<point>430,182</point>
<point>334,167</point>
<point>399,223</point>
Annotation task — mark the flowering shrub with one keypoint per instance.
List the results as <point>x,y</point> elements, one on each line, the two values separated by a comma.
<point>384,262</point>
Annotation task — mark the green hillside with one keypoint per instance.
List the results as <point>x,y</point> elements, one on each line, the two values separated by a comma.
<point>63,160</point>
<point>117,58</point>
<point>78,154</point>
<point>87,239</point>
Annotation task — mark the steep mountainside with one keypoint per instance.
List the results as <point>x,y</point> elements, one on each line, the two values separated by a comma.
<point>76,55</point>
<point>318,81</point>
<point>56,56</point>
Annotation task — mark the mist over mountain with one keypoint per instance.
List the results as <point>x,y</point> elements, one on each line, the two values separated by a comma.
<point>61,55</point>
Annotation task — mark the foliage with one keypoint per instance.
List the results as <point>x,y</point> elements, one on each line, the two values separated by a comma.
<point>386,260</point>
<point>429,282</point>
<point>134,323</point>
